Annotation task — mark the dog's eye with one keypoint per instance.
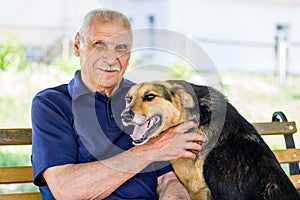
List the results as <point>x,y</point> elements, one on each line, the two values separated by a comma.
<point>128,99</point>
<point>149,97</point>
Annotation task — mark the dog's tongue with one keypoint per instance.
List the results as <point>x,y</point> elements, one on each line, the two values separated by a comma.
<point>139,131</point>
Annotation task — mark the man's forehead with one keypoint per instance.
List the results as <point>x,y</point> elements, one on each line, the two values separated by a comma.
<point>111,36</point>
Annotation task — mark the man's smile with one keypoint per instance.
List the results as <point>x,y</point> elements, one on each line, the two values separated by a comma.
<point>110,69</point>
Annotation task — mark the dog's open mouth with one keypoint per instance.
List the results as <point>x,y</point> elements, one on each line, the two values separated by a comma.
<point>143,132</point>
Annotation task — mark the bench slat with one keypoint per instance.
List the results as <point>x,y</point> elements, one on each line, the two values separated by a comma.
<point>295,180</point>
<point>21,196</point>
<point>20,136</point>
<point>22,174</point>
<point>275,128</point>
<point>287,155</point>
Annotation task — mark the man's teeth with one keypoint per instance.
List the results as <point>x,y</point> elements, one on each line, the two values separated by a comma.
<point>110,68</point>
<point>113,68</point>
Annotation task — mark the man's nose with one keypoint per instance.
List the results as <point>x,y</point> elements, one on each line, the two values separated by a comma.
<point>110,57</point>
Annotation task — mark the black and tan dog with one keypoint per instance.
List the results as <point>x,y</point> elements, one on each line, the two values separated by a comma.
<point>234,163</point>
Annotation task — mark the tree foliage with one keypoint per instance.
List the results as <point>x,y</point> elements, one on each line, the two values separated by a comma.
<point>180,70</point>
<point>12,55</point>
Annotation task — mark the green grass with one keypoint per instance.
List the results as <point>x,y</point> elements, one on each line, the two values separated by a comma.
<point>15,155</point>
<point>14,112</point>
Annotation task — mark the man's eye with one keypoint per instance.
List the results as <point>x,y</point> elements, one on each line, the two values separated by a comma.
<point>128,99</point>
<point>149,97</point>
<point>99,45</point>
<point>121,48</point>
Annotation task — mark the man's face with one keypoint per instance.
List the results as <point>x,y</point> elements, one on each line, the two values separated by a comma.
<point>104,52</point>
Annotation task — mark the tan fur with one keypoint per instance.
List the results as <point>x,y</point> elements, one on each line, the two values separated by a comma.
<point>189,172</point>
<point>230,141</point>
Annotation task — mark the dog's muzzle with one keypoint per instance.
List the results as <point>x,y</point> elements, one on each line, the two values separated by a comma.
<point>127,116</point>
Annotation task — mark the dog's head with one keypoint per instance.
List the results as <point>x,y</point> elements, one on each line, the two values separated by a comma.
<point>155,106</point>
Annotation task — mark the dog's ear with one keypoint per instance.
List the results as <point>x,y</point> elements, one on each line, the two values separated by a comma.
<point>186,99</point>
<point>182,89</point>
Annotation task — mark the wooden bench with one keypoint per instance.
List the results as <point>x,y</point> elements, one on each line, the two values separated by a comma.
<point>23,174</point>
<point>16,174</point>
<point>281,127</point>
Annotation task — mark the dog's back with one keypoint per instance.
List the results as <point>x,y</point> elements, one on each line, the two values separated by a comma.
<point>240,165</point>
<point>233,163</point>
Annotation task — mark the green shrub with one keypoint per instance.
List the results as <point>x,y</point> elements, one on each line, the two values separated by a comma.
<point>180,70</point>
<point>15,156</point>
<point>11,53</point>
<point>69,65</point>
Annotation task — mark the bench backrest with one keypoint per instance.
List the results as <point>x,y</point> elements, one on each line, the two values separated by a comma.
<point>23,174</point>
<point>17,174</point>
<point>290,154</point>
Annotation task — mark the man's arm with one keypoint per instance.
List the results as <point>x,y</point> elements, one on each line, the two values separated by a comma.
<point>170,188</point>
<point>92,180</point>
<point>99,179</point>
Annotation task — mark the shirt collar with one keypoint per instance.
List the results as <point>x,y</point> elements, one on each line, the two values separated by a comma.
<point>76,88</point>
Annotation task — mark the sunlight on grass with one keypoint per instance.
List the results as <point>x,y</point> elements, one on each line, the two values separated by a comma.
<point>14,112</point>
<point>15,188</point>
<point>15,155</point>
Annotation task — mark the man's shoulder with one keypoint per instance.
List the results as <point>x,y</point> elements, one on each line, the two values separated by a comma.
<point>56,99</point>
<point>126,85</point>
<point>127,82</point>
<point>54,93</point>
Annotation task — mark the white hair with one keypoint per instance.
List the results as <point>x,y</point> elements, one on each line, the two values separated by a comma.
<point>106,16</point>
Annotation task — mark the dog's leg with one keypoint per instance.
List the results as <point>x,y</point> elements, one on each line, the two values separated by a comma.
<point>203,194</point>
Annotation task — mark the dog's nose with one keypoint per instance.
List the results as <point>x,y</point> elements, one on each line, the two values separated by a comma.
<point>127,116</point>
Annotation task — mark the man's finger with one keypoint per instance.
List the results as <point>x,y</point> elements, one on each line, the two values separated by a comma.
<point>195,137</point>
<point>186,126</point>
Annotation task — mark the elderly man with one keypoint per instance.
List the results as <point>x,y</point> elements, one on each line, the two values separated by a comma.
<point>65,164</point>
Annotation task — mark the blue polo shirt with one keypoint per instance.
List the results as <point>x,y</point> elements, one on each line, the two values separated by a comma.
<point>71,124</point>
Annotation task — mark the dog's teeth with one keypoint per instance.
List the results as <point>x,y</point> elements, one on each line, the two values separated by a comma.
<point>148,123</point>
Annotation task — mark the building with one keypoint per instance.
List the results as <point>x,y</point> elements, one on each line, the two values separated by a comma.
<point>238,35</point>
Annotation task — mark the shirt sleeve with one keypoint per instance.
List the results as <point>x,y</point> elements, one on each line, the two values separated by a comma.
<point>163,168</point>
<point>53,138</point>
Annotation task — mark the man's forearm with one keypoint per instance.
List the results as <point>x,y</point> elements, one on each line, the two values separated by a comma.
<point>170,188</point>
<point>96,179</point>
<point>99,179</point>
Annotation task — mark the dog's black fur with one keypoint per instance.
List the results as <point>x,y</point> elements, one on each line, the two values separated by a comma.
<point>240,165</point>
<point>235,161</point>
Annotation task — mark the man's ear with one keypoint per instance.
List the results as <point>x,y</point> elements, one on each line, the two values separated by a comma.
<point>186,99</point>
<point>76,45</point>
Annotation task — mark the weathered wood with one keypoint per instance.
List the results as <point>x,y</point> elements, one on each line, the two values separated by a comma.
<point>21,196</point>
<point>276,128</point>
<point>24,174</point>
<point>18,174</point>
<point>287,155</point>
<point>20,136</point>
<point>295,180</point>
<point>21,174</point>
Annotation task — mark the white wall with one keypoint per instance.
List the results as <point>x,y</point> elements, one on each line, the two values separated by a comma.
<point>140,10</point>
<point>238,35</point>
<point>41,22</point>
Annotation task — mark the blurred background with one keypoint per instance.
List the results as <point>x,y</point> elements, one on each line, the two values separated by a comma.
<point>253,44</point>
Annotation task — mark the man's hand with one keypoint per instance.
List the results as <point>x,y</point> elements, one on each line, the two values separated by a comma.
<point>172,144</point>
